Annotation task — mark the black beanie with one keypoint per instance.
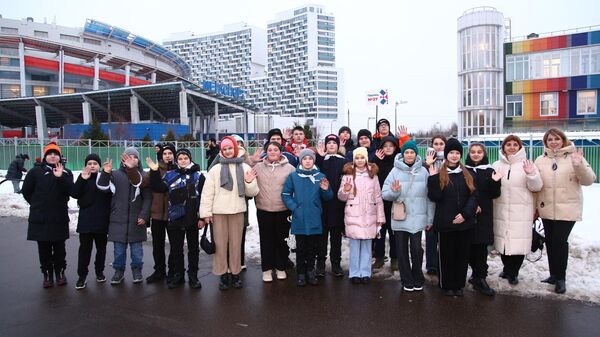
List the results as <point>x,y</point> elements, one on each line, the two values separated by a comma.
<point>273,132</point>
<point>345,128</point>
<point>452,144</point>
<point>167,146</point>
<point>183,151</point>
<point>364,132</point>
<point>382,121</point>
<point>390,139</point>
<point>333,137</point>
<point>94,157</point>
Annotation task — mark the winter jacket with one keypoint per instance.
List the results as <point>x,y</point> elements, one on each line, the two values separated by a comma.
<point>333,210</point>
<point>211,153</point>
<point>217,200</point>
<point>455,198</point>
<point>290,146</point>
<point>363,213</point>
<point>561,197</point>
<point>514,208</point>
<point>377,138</point>
<point>129,203</point>
<point>47,196</point>
<point>302,195</point>
<point>371,151</point>
<point>349,146</point>
<point>413,192</point>
<point>94,205</point>
<point>183,187</point>
<point>16,168</point>
<point>160,200</point>
<point>270,178</point>
<point>241,153</point>
<point>487,191</point>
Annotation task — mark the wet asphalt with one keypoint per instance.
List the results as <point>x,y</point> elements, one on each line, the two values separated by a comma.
<point>333,308</point>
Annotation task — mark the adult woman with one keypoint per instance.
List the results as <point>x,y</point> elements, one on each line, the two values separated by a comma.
<point>560,202</point>
<point>514,209</point>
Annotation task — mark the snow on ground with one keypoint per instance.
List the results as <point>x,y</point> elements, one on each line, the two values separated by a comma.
<point>583,272</point>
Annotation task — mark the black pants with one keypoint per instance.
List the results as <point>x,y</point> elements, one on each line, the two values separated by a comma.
<point>176,238</point>
<point>86,242</point>
<point>334,236</point>
<point>159,231</point>
<point>411,271</point>
<point>307,247</point>
<point>386,229</point>
<point>512,264</point>
<point>273,228</point>
<point>454,258</point>
<point>431,251</point>
<point>478,260</point>
<point>557,233</point>
<point>52,255</point>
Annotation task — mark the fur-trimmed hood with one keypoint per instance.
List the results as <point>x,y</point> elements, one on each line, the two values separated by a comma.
<point>371,167</point>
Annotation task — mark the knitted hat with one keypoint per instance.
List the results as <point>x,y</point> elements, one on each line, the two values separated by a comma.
<point>382,121</point>
<point>274,132</point>
<point>307,152</point>
<point>332,137</point>
<point>52,146</point>
<point>345,128</point>
<point>411,144</point>
<point>132,151</point>
<point>229,141</point>
<point>185,152</point>
<point>364,132</point>
<point>167,146</point>
<point>238,138</point>
<point>453,144</point>
<point>25,156</point>
<point>360,151</point>
<point>386,139</point>
<point>94,157</point>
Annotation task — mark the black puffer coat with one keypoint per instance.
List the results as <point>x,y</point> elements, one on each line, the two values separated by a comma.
<point>487,190</point>
<point>47,196</point>
<point>94,205</point>
<point>333,210</point>
<point>455,198</point>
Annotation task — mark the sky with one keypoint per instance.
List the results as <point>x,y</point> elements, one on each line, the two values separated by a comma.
<point>406,47</point>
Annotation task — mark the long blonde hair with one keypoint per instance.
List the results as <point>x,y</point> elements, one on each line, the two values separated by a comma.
<point>445,177</point>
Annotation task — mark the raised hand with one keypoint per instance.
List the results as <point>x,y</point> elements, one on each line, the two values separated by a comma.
<point>395,185</point>
<point>85,173</point>
<point>342,142</point>
<point>347,184</point>
<point>430,156</point>
<point>380,154</point>
<point>402,131</point>
<point>151,164</point>
<point>107,166</point>
<point>433,170</point>
<point>321,149</point>
<point>128,160</point>
<point>256,156</point>
<point>528,167</point>
<point>287,134</point>
<point>58,170</point>
<point>577,157</point>
<point>496,176</point>
<point>249,176</point>
<point>324,184</point>
<point>458,219</point>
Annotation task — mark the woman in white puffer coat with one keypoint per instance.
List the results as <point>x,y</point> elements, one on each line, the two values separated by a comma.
<point>514,209</point>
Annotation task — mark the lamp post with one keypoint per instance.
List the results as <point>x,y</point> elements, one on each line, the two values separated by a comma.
<point>396,112</point>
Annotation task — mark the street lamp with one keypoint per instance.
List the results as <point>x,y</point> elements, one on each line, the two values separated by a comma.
<point>396,112</point>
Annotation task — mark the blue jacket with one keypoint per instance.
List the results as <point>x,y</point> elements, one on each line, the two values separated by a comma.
<point>413,191</point>
<point>302,195</point>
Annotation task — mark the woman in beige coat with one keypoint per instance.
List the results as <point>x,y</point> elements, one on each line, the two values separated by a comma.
<point>514,209</point>
<point>560,202</point>
<point>223,203</point>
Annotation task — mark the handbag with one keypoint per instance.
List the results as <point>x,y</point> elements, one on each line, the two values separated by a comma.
<point>399,208</point>
<point>537,241</point>
<point>208,245</point>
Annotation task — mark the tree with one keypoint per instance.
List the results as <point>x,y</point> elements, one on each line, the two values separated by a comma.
<point>147,137</point>
<point>169,137</point>
<point>94,132</point>
<point>308,132</point>
<point>188,137</point>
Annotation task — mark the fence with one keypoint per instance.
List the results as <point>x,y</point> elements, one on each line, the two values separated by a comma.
<point>75,151</point>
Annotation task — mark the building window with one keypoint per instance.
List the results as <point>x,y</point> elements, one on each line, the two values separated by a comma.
<point>595,60</point>
<point>517,68</point>
<point>586,102</point>
<point>10,75</point>
<point>39,33</point>
<point>69,37</point>
<point>8,61</point>
<point>10,91</point>
<point>549,104</point>
<point>551,64</point>
<point>39,90</point>
<point>514,106</point>
<point>68,90</point>
<point>9,30</point>
<point>92,41</point>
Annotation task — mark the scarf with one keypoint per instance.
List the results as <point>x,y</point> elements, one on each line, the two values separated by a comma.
<point>456,170</point>
<point>479,167</point>
<point>327,156</point>
<point>225,176</point>
<point>272,165</point>
<point>309,176</point>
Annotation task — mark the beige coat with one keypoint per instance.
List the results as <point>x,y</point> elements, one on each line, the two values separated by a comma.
<point>514,209</point>
<point>562,198</point>
<point>217,200</point>
<point>271,178</point>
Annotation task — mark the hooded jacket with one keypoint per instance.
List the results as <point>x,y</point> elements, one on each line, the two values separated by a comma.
<point>271,177</point>
<point>16,168</point>
<point>487,191</point>
<point>94,205</point>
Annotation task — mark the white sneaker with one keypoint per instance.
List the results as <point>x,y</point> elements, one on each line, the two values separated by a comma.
<point>281,275</point>
<point>268,276</point>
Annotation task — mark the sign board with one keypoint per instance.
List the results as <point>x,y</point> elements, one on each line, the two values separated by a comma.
<point>377,97</point>
<point>223,89</point>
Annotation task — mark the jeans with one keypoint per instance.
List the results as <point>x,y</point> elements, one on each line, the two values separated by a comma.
<point>360,258</point>
<point>16,185</point>
<point>136,252</point>
<point>86,241</point>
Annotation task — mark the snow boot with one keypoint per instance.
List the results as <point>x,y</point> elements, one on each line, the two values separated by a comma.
<point>224,282</point>
<point>312,278</point>
<point>157,276</point>
<point>236,281</point>
<point>550,280</point>
<point>560,287</point>
<point>176,281</point>
<point>481,285</point>
<point>194,281</point>
<point>320,271</point>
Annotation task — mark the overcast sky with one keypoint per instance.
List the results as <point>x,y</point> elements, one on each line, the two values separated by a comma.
<point>407,47</point>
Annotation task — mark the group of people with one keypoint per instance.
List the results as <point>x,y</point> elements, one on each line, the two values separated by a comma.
<point>379,188</point>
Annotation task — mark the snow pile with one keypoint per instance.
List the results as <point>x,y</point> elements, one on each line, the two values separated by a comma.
<point>583,272</point>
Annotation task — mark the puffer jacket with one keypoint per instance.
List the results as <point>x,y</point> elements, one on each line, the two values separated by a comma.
<point>160,201</point>
<point>413,191</point>
<point>271,177</point>
<point>302,194</point>
<point>487,191</point>
<point>515,207</point>
<point>561,197</point>
<point>94,205</point>
<point>455,198</point>
<point>363,214</point>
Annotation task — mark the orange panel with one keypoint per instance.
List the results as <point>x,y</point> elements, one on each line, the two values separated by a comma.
<point>562,105</point>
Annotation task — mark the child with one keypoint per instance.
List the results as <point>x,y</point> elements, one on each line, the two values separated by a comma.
<point>331,164</point>
<point>184,186</point>
<point>302,193</point>
<point>434,157</point>
<point>363,213</point>
<point>224,201</point>
<point>407,183</point>
<point>46,188</point>
<point>130,211</point>
<point>453,190</point>
<point>92,226</point>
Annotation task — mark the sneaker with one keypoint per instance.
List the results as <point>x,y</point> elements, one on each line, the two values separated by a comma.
<point>48,279</point>
<point>243,267</point>
<point>312,278</point>
<point>61,279</point>
<point>117,277</point>
<point>281,275</point>
<point>301,280</point>
<point>268,276</point>
<point>194,281</point>
<point>224,282</point>
<point>394,265</point>
<point>408,288</point>
<point>137,275</point>
<point>157,276</point>
<point>100,278</point>
<point>418,287</point>
<point>549,280</point>
<point>560,287</point>
<point>483,287</point>
<point>355,280</point>
<point>503,275</point>
<point>458,292</point>
<point>176,281</point>
<point>337,270</point>
<point>378,263</point>
<point>236,281</point>
<point>80,284</point>
<point>365,280</point>
<point>320,270</point>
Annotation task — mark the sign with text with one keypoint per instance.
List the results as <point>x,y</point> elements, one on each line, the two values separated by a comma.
<point>377,97</point>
